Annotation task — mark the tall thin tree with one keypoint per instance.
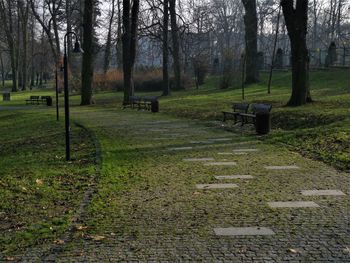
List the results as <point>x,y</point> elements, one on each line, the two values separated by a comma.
<point>87,69</point>
<point>166,87</point>
<point>251,41</point>
<point>296,21</point>
<point>129,38</point>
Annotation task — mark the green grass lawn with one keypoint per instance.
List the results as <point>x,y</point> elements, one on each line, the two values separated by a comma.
<point>40,191</point>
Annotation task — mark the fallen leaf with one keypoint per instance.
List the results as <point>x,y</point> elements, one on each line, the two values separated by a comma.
<point>39,182</point>
<point>81,228</point>
<point>59,242</point>
<point>97,237</point>
<point>10,258</point>
<point>196,193</point>
<point>292,250</point>
<point>347,250</point>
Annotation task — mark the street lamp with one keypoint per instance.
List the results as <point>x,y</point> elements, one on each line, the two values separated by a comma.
<point>76,49</point>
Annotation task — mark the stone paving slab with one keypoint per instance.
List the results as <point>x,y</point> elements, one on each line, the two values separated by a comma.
<point>198,159</point>
<point>180,148</point>
<point>292,204</point>
<point>243,231</point>
<point>322,192</point>
<point>216,186</point>
<point>220,139</point>
<point>245,150</point>
<point>285,167</point>
<point>200,142</point>
<point>229,177</point>
<point>220,164</point>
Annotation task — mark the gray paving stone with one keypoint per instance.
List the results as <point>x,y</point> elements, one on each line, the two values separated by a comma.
<point>216,186</point>
<point>245,150</point>
<point>220,164</point>
<point>198,159</point>
<point>229,177</point>
<point>180,148</point>
<point>243,231</point>
<point>201,142</point>
<point>285,167</point>
<point>292,204</point>
<point>322,192</point>
<point>220,139</point>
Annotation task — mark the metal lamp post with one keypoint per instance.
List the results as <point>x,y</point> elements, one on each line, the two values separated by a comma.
<point>76,49</point>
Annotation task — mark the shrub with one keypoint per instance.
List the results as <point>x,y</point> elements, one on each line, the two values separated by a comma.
<point>144,80</point>
<point>200,68</point>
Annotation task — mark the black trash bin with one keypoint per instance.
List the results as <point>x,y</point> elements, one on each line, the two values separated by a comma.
<point>155,106</point>
<point>6,96</point>
<point>48,101</point>
<point>262,122</point>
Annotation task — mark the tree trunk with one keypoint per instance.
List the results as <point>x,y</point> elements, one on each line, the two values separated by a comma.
<point>24,11</point>
<point>119,45</point>
<point>251,41</point>
<point>166,87</point>
<point>176,45</point>
<point>87,69</point>
<point>130,22</point>
<point>107,54</point>
<point>296,22</point>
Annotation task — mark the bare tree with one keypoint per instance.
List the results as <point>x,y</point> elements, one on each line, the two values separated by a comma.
<point>7,10</point>
<point>87,69</point>
<point>296,22</point>
<point>107,54</point>
<point>176,45</point>
<point>166,87</point>
<point>251,41</point>
<point>129,38</point>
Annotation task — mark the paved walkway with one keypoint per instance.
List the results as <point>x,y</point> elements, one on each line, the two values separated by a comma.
<point>203,194</point>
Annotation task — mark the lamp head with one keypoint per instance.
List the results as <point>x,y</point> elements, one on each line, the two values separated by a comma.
<point>77,48</point>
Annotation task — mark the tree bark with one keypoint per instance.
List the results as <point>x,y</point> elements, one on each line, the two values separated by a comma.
<point>24,12</point>
<point>166,87</point>
<point>107,54</point>
<point>119,45</point>
<point>130,23</point>
<point>296,22</point>
<point>176,45</point>
<point>87,69</point>
<point>251,41</point>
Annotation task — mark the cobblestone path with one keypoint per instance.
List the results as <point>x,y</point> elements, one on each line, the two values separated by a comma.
<point>149,209</point>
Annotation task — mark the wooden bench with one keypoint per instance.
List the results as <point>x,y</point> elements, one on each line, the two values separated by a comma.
<point>33,100</point>
<point>238,108</point>
<point>147,102</point>
<point>255,108</point>
<point>133,101</point>
<point>44,99</point>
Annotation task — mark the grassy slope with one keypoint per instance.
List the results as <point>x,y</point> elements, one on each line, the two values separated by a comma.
<point>320,129</point>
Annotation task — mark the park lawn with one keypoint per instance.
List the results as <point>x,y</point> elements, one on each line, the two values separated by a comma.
<point>319,130</point>
<point>39,191</point>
